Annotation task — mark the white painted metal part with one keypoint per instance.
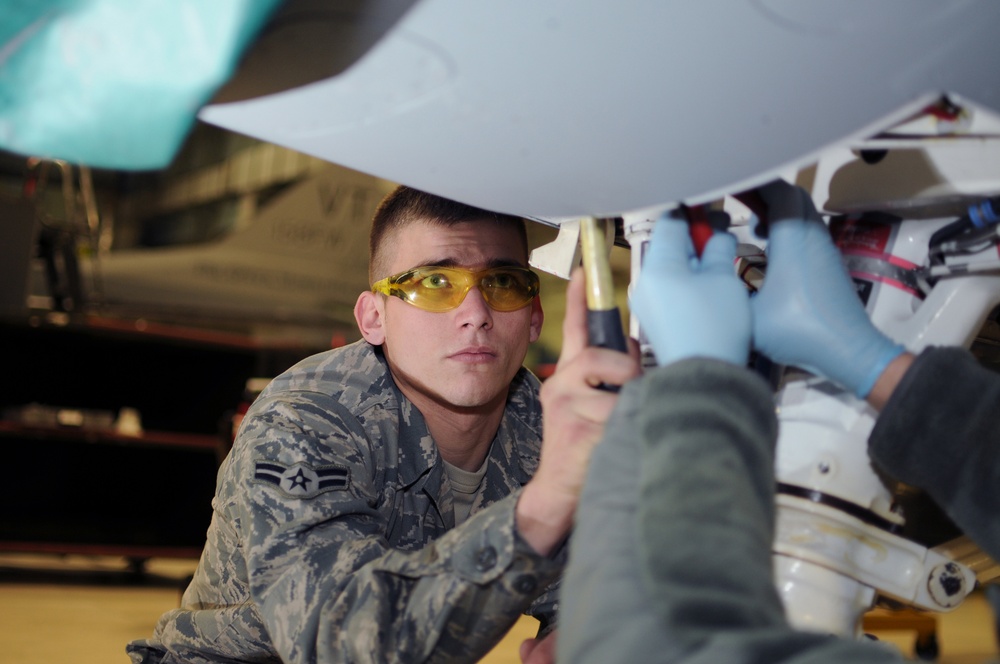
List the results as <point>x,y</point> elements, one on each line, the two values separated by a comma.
<point>835,538</point>
<point>557,108</point>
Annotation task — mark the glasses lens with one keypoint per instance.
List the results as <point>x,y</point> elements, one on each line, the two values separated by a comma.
<point>508,288</point>
<point>437,288</point>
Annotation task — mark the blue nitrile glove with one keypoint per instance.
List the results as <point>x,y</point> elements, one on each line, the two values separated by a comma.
<point>808,313</point>
<point>691,307</point>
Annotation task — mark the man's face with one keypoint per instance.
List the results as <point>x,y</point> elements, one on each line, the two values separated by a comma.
<point>465,357</point>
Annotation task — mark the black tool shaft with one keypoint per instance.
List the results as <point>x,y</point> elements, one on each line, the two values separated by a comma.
<point>604,329</point>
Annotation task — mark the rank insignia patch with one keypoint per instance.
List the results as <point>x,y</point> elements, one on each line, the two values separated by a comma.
<point>300,480</point>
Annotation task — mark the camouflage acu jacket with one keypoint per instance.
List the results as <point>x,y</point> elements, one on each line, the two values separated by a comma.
<point>333,535</point>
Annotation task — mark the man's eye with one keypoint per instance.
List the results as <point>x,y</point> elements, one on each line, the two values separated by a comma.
<point>435,281</point>
<point>503,280</point>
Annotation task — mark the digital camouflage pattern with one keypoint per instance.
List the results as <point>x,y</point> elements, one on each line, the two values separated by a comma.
<point>333,537</point>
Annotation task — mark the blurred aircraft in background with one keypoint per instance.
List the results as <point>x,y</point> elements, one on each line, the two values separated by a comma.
<point>290,272</point>
<point>298,263</point>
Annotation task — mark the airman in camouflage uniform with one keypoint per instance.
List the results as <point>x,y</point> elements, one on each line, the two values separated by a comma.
<point>334,536</point>
<point>331,497</point>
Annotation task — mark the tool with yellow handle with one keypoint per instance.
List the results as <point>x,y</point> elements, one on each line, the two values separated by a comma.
<point>604,323</point>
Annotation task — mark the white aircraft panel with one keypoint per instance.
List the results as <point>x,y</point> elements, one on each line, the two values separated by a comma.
<point>563,108</point>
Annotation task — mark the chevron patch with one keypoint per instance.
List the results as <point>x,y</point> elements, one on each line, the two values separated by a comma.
<point>300,480</point>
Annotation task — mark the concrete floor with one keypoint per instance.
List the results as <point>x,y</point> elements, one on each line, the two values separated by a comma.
<point>83,609</point>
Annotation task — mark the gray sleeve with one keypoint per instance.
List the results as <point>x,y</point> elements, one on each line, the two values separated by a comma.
<point>671,557</point>
<point>939,432</point>
<point>330,589</point>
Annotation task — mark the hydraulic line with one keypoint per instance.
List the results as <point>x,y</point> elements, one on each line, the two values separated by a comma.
<point>979,216</point>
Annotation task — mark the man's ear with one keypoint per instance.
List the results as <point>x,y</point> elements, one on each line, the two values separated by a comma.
<point>537,318</point>
<point>369,312</point>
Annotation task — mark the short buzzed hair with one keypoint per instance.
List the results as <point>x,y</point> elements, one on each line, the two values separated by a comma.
<point>405,205</point>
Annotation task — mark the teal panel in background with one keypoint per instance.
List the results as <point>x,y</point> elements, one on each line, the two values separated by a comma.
<point>114,84</point>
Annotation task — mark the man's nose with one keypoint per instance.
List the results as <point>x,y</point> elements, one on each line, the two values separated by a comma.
<point>474,311</point>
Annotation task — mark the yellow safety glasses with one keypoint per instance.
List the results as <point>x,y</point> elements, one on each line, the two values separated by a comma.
<point>435,288</point>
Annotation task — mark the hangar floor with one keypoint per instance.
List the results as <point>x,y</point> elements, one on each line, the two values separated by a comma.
<point>84,609</point>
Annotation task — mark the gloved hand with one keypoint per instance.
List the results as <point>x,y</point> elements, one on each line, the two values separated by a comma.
<point>808,313</point>
<point>691,307</point>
